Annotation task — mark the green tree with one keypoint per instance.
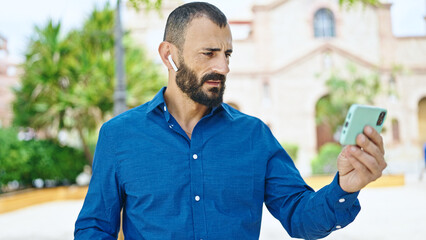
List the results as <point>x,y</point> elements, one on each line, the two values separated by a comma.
<point>149,4</point>
<point>350,3</point>
<point>68,83</point>
<point>45,75</point>
<point>344,90</point>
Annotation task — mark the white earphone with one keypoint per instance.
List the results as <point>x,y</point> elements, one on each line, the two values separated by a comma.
<point>172,63</point>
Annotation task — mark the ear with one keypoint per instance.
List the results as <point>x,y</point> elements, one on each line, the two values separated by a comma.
<point>165,49</point>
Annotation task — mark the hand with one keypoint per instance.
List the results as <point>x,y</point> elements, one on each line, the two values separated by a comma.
<point>359,165</point>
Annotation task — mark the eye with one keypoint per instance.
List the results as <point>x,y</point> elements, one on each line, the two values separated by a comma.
<point>228,55</point>
<point>209,54</point>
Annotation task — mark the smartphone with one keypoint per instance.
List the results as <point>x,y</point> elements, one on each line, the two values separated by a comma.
<point>357,118</point>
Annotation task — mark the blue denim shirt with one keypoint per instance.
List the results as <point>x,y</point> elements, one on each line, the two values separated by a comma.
<point>211,186</point>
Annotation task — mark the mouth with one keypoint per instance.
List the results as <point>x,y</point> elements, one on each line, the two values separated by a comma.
<point>214,83</point>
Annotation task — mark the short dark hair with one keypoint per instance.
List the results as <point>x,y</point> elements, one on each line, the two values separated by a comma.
<point>178,20</point>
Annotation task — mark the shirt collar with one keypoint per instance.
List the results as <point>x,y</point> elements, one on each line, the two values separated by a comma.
<point>227,109</point>
<point>159,100</point>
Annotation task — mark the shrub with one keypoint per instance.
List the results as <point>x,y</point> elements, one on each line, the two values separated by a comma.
<point>26,161</point>
<point>326,160</point>
<point>12,156</point>
<point>291,149</point>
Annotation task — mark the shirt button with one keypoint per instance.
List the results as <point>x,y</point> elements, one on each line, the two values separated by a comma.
<point>195,156</point>
<point>165,109</point>
<point>197,198</point>
<point>338,227</point>
<point>342,200</point>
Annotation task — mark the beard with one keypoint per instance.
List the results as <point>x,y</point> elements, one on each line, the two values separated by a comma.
<point>187,81</point>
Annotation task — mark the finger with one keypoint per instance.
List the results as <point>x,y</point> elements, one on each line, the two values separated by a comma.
<point>344,166</point>
<point>368,161</point>
<point>371,148</point>
<point>372,134</point>
<point>363,171</point>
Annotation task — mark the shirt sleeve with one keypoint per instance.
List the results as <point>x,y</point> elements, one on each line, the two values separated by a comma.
<point>99,217</point>
<point>303,212</point>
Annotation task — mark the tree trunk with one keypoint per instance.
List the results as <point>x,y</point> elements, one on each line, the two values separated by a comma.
<point>86,149</point>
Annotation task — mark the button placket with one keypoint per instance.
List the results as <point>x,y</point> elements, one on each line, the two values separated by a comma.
<point>197,190</point>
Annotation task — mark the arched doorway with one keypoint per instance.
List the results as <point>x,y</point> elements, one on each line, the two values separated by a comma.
<point>422,120</point>
<point>323,129</point>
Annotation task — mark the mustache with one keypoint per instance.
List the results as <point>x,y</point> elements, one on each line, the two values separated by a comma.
<point>213,76</point>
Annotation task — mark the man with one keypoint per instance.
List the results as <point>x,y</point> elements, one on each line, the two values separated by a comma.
<point>187,166</point>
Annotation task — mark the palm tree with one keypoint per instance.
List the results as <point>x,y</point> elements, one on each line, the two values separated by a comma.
<point>45,76</point>
<point>68,84</point>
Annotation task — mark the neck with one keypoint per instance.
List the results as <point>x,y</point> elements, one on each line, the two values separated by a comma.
<point>186,112</point>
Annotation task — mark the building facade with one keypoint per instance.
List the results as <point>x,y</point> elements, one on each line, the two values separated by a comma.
<point>8,80</point>
<point>279,68</point>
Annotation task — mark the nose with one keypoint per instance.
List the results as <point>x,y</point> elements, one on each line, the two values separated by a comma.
<point>221,65</point>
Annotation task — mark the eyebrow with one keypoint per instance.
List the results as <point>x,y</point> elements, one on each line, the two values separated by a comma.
<point>217,50</point>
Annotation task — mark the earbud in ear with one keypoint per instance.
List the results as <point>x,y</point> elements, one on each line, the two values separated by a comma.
<point>172,63</point>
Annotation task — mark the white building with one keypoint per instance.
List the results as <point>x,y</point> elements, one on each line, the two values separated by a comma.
<point>279,68</point>
<point>8,79</point>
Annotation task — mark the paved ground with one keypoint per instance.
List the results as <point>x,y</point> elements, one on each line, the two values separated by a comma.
<point>387,213</point>
<point>393,213</point>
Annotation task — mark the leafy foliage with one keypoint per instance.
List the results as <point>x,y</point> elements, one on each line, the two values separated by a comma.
<point>68,83</point>
<point>26,161</point>
<point>344,90</point>
<point>350,3</point>
<point>326,160</point>
<point>149,4</point>
<point>44,71</point>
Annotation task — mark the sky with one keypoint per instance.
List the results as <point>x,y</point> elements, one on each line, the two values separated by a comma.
<point>18,17</point>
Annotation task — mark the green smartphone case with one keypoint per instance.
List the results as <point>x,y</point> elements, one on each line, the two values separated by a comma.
<point>357,118</point>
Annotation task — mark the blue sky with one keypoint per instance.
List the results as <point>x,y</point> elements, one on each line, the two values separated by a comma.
<point>18,17</point>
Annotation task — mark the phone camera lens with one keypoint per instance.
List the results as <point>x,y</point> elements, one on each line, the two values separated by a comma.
<point>381,118</point>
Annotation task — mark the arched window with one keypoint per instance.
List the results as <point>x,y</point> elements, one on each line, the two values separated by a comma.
<point>324,26</point>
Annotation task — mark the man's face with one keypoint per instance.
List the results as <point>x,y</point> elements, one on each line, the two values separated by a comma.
<point>203,63</point>
<point>189,83</point>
